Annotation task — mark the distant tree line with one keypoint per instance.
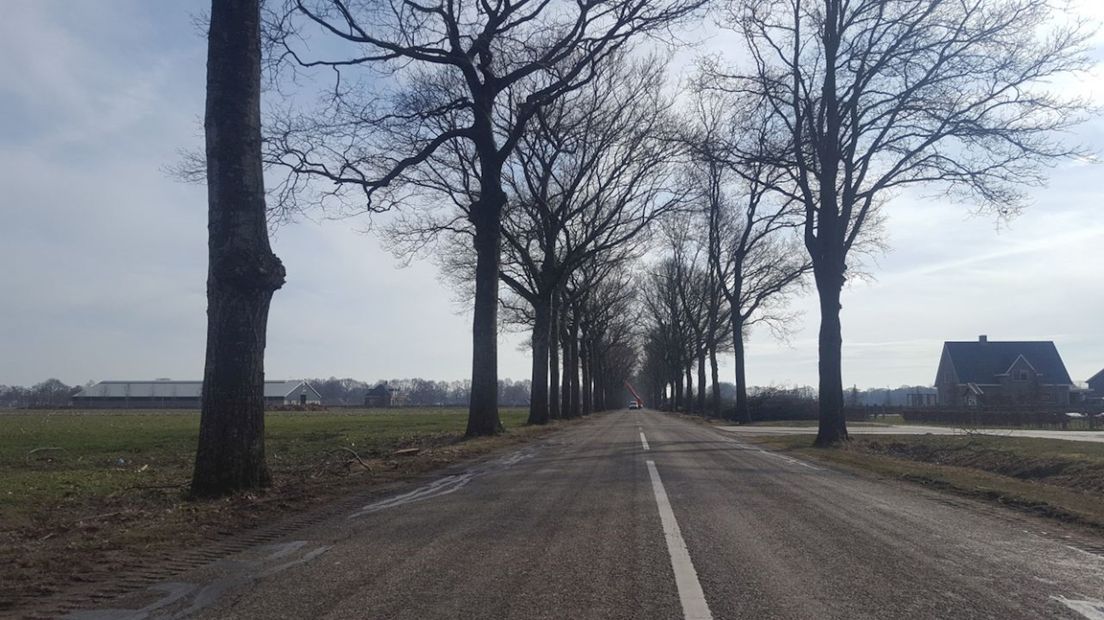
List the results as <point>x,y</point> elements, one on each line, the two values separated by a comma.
<point>50,393</point>
<point>417,392</point>
<point>53,393</point>
<point>885,397</point>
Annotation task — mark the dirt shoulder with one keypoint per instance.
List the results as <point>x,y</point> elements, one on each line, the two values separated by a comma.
<point>1059,479</point>
<point>86,498</point>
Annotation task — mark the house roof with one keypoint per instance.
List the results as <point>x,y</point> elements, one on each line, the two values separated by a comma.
<point>1099,375</point>
<point>379,390</point>
<point>981,362</point>
<point>177,389</point>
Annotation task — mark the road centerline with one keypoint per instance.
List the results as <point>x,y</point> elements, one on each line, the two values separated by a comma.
<point>644,441</point>
<point>694,606</point>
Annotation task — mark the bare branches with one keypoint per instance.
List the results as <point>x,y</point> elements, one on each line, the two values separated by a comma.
<point>438,71</point>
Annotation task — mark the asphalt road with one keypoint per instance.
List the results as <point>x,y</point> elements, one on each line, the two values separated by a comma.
<point>641,515</point>
<point>915,429</point>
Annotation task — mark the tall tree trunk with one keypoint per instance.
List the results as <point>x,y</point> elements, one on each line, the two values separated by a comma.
<point>565,377</point>
<point>743,412</point>
<point>833,424</point>
<point>486,214</point>
<point>573,378</point>
<point>826,247</point>
<point>701,382</point>
<point>554,361</point>
<point>713,370</point>
<point>586,386</point>
<point>538,395</point>
<point>483,412</point>
<point>242,273</point>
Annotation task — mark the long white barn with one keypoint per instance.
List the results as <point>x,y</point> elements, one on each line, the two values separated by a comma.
<point>165,393</point>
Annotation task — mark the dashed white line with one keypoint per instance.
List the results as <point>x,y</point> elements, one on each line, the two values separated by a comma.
<point>690,591</point>
<point>644,441</point>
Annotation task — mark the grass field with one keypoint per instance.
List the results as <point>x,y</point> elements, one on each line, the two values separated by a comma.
<point>1055,478</point>
<point>81,492</point>
<point>55,456</point>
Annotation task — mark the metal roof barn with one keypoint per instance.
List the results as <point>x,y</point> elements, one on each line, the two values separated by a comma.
<point>182,394</point>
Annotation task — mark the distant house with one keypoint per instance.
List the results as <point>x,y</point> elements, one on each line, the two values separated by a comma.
<point>168,394</point>
<point>1096,384</point>
<point>379,396</point>
<point>982,373</point>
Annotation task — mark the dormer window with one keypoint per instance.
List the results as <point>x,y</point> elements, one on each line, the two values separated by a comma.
<point>1022,375</point>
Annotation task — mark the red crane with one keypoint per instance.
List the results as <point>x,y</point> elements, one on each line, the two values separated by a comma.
<point>639,401</point>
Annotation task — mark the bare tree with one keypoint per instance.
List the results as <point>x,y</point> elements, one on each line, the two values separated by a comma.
<point>243,273</point>
<point>668,339</point>
<point>754,257</point>
<point>450,63</point>
<point>867,97</point>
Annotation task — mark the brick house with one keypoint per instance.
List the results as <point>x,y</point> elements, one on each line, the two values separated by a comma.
<point>985,373</point>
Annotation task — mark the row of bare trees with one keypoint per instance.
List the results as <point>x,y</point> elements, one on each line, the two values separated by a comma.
<point>528,143</point>
<point>584,185</point>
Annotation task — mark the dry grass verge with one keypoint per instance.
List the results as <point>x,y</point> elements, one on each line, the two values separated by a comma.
<point>1052,478</point>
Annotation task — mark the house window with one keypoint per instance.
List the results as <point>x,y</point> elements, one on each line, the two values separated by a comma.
<point>1021,375</point>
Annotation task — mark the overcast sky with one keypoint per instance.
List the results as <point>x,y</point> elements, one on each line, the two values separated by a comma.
<point>103,257</point>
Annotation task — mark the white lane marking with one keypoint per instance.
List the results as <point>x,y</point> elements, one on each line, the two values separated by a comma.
<point>791,460</point>
<point>644,441</point>
<point>1093,610</point>
<point>690,592</point>
<point>788,459</point>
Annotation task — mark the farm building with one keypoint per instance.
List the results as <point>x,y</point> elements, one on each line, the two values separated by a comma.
<point>165,393</point>
<point>986,373</point>
<point>379,396</point>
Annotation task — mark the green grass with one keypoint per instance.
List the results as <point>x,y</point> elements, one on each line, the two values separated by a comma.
<point>53,455</point>
<point>1049,477</point>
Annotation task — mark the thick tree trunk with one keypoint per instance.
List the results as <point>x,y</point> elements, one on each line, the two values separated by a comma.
<point>554,362</point>
<point>243,273</point>
<point>742,414</point>
<point>827,247</point>
<point>538,395</point>
<point>486,215</point>
<point>833,425</point>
